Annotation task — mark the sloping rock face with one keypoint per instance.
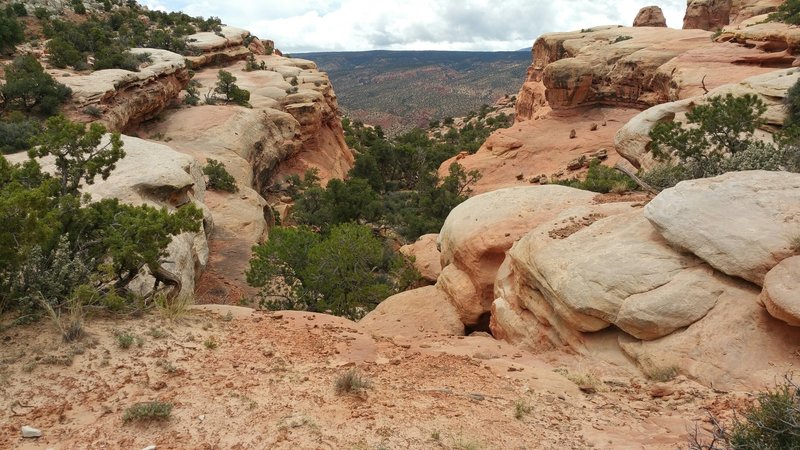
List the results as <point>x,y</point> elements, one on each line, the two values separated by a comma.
<point>741,223</point>
<point>126,98</point>
<point>156,175</point>
<point>416,313</point>
<point>633,139</point>
<point>650,16</point>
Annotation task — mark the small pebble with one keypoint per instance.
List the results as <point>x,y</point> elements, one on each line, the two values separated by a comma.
<point>30,432</point>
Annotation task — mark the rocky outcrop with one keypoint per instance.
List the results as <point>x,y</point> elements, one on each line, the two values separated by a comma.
<point>415,313</point>
<point>281,134</point>
<point>715,14</point>
<point>781,293</point>
<point>425,255</point>
<point>650,16</point>
<point>605,279</point>
<point>741,223</point>
<point>633,139</point>
<point>780,41</point>
<point>707,14</point>
<point>607,65</point>
<point>477,233</point>
<point>216,49</point>
<point>124,98</point>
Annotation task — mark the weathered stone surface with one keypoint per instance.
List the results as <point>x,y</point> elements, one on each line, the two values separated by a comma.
<point>781,293</point>
<point>127,98</point>
<point>741,223</point>
<point>650,16</point>
<point>616,270</point>
<point>707,14</point>
<point>427,259</point>
<point>738,344</point>
<point>478,232</point>
<point>414,313</point>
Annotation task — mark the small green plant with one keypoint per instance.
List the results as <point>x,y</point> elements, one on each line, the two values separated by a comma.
<point>795,243</point>
<point>251,64</point>
<point>157,333</point>
<point>148,411</point>
<point>210,343</point>
<point>602,179</point>
<point>521,409</point>
<point>622,38</point>
<point>436,435</point>
<point>93,111</point>
<point>167,365</point>
<point>351,382</point>
<point>227,317</point>
<point>192,93</point>
<point>661,374</point>
<point>218,177</point>
<point>125,340</point>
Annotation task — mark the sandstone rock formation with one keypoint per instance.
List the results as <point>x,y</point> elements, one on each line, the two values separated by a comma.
<point>781,293</point>
<point>477,233</point>
<point>216,49</point>
<point>414,313</point>
<point>707,14</point>
<point>715,14</point>
<point>127,98</point>
<point>741,223</point>
<point>283,133</point>
<point>665,276</point>
<point>426,255</point>
<point>650,16</point>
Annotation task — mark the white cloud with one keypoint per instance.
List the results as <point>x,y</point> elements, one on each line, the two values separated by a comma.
<point>328,25</point>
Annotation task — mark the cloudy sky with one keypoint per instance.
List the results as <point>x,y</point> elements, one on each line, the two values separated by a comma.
<point>341,25</point>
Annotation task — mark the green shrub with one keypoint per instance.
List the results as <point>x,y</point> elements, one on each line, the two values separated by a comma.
<point>218,177</point>
<point>346,273</point>
<point>78,7</point>
<point>788,12</point>
<point>29,88</point>
<point>11,32</point>
<point>226,85</point>
<point>601,179</point>
<point>192,93</point>
<point>62,53</point>
<point>772,422</point>
<point>720,139</point>
<point>125,340</point>
<point>17,132</point>
<point>149,411</point>
<point>114,58</point>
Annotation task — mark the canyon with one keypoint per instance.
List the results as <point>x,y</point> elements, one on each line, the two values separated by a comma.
<point>558,317</point>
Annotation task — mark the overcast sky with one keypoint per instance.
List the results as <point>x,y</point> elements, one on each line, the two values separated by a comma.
<point>340,25</point>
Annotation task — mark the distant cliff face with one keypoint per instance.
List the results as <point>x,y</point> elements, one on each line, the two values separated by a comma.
<point>715,14</point>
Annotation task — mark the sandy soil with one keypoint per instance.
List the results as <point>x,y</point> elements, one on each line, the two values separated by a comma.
<point>269,383</point>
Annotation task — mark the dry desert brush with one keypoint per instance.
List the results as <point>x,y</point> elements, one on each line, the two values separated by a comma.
<point>771,422</point>
<point>351,382</point>
<point>148,411</point>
